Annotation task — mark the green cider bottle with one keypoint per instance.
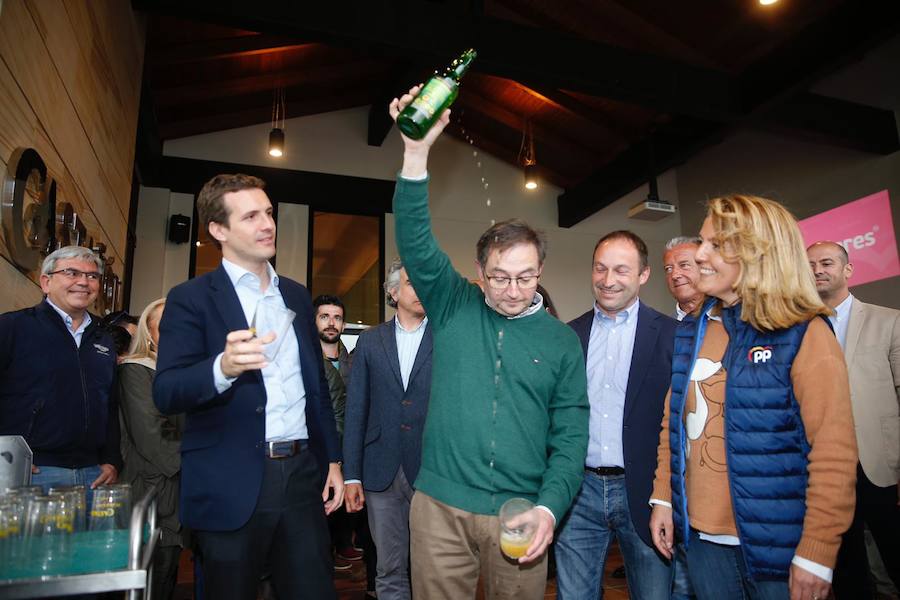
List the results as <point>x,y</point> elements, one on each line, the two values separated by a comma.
<point>439,93</point>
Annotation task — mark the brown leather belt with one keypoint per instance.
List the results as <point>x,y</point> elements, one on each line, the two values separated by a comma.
<point>605,470</point>
<point>285,449</point>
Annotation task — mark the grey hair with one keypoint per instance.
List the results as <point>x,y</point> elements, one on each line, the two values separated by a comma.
<point>681,240</point>
<point>392,281</point>
<point>70,252</point>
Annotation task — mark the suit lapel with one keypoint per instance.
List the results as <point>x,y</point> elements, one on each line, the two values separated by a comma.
<point>389,340</point>
<point>582,327</point>
<point>225,299</point>
<point>644,343</point>
<point>423,354</point>
<point>854,327</point>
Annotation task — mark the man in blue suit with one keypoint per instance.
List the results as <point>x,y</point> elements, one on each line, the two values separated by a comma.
<point>260,436</point>
<point>386,406</point>
<point>628,353</point>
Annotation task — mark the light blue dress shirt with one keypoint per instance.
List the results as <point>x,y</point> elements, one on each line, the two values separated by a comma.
<point>78,333</point>
<point>408,343</point>
<point>608,363</point>
<point>283,380</point>
<point>841,320</point>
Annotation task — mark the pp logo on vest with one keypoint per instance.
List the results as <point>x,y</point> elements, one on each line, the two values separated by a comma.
<point>759,354</point>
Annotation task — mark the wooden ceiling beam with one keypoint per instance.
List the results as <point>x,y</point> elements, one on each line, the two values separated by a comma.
<point>571,105</point>
<point>211,122</point>
<point>210,50</point>
<point>431,34</point>
<point>208,91</point>
<point>486,144</point>
<point>503,140</point>
<point>554,138</point>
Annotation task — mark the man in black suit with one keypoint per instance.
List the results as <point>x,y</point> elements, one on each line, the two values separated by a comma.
<point>260,436</point>
<point>386,406</point>
<point>628,353</point>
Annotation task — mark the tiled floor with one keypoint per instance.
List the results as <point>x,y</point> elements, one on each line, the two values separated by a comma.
<point>351,585</point>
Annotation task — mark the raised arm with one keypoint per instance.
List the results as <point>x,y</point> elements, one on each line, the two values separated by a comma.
<point>438,285</point>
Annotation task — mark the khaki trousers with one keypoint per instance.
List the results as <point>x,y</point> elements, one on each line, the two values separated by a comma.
<point>449,548</point>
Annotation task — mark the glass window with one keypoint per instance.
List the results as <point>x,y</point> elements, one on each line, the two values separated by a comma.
<point>207,256</point>
<point>345,261</point>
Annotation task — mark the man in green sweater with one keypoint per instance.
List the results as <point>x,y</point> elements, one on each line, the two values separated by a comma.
<point>508,415</point>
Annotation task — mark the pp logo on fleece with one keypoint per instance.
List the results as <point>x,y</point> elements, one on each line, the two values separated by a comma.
<point>759,354</point>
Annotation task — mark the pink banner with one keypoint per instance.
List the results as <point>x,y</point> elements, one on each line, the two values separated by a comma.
<point>866,229</point>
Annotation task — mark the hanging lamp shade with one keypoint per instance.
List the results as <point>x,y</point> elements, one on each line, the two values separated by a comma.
<point>276,142</point>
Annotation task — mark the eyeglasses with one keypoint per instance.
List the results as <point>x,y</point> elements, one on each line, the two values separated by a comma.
<point>501,282</point>
<point>76,274</point>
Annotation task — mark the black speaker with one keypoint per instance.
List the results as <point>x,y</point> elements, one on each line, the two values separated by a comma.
<point>179,229</point>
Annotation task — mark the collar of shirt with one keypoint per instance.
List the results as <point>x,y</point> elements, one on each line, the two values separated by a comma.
<point>624,315</point>
<point>241,276</point>
<point>842,310</point>
<point>400,329</point>
<point>536,304</point>
<point>68,320</point>
<point>679,314</point>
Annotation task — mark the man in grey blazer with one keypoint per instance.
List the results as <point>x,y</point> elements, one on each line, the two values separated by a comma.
<point>870,338</point>
<point>386,406</point>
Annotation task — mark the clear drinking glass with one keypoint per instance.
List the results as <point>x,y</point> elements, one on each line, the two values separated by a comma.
<point>271,317</point>
<point>76,497</point>
<point>112,508</point>
<point>48,525</point>
<point>517,527</point>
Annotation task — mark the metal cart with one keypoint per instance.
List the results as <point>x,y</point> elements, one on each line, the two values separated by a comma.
<point>135,578</point>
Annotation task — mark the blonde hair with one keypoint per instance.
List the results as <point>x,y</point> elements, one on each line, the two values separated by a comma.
<point>775,283</point>
<point>141,343</point>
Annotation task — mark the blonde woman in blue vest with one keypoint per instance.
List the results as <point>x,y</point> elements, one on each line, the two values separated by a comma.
<point>757,457</point>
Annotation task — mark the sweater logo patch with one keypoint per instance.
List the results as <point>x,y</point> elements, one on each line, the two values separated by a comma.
<point>101,349</point>
<point>759,354</point>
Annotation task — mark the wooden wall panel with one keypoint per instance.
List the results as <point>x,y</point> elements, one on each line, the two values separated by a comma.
<point>70,77</point>
<point>103,81</point>
<point>20,128</point>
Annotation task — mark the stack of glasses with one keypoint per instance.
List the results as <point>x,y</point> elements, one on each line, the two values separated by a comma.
<point>56,534</point>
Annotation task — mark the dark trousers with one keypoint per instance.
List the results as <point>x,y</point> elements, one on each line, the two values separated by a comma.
<point>877,508</point>
<point>287,534</point>
<point>165,571</point>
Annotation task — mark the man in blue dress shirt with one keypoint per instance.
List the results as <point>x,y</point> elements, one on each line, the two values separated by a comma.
<point>260,437</point>
<point>628,353</point>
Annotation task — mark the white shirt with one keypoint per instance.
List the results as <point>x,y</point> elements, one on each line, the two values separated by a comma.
<point>841,319</point>
<point>408,343</point>
<point>78,333</point>
<point>282,378</point>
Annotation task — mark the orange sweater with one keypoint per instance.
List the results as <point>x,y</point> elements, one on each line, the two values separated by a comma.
<point>819,377</point>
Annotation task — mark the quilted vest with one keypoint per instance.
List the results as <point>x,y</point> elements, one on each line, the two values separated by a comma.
<point>765,440</point>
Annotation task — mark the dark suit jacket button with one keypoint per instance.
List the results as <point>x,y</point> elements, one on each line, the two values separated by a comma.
<point>405,427</point>
<point>260,409</point>
<point>406,402</point>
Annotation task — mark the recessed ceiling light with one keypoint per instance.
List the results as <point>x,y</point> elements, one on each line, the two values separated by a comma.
<point>767,2</point>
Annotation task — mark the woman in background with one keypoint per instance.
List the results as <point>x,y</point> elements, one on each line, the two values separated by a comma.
<point>151,445</point>
<point>757,456</point>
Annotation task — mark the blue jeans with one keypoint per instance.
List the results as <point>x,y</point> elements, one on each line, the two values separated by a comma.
<point>60,476</point>
<point>719,572</point>
<point>681,582</point>
<point>600,511</point>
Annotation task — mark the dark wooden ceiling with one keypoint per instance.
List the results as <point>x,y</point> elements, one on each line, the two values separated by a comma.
<point>604,83</point>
